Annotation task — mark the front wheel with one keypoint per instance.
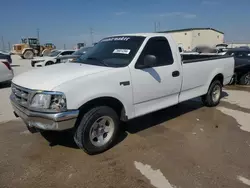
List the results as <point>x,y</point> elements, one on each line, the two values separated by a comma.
<point>49,63</point>
<point>245,79</point>
<point>45,52</point>
<point>213,96</point>
<point>98,130</point>
<point>28,54</point>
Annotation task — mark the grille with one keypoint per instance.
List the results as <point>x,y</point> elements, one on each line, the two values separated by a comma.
<point>21,95</point>
<point>17,47</point>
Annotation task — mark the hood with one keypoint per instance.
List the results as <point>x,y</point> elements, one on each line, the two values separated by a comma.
<point>68,57</point>
<point>4,53</point>
<point>43,58</point>
<point>49,77</point>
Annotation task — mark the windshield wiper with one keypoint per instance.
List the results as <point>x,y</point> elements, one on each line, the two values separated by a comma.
<point>99,60</point>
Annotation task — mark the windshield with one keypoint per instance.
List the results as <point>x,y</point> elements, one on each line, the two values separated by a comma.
<point>81,51</point>
<point>113,51</point>
<point>24,41</point>
<point>54,53</point>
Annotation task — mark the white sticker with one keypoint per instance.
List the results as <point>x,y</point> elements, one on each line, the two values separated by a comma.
<point>121,51</point>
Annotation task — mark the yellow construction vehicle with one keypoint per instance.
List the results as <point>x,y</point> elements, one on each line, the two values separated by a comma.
<point>30,47</point>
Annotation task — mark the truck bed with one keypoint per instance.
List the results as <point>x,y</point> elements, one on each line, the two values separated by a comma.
<point>199,70</point>
<point>200,57</point>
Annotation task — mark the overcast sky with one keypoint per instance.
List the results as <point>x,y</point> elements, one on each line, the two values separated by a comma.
<point>68,22</point>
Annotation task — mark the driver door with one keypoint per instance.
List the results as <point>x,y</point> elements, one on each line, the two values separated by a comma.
<point>159,86</point>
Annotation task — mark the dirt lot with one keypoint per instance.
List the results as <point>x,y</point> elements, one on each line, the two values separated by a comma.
<point>185,146</point>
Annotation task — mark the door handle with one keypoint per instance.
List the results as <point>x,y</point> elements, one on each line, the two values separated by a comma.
<point>175,73</point>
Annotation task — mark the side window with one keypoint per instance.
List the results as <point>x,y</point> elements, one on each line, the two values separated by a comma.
<point>160,48</point>
<point>67,53</point>
<point>33,42</point>
<point>241,55</point>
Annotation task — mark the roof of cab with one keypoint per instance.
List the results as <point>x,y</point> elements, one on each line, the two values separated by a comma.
<point>142,34</point>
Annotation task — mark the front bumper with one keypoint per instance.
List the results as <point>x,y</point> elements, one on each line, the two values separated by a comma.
<point>46,121</point>
<point>37,63</point>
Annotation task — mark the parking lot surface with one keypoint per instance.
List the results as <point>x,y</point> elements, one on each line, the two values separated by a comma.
<point>184,146</point>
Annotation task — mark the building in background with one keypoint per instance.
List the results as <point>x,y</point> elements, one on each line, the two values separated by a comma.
<point>190,38</point>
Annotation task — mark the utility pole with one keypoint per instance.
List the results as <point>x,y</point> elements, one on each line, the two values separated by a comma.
<point>9,46</point>
<point>159,26</point>
<point>3,44</point>
<point>91,36</point>
<point>38,34</point>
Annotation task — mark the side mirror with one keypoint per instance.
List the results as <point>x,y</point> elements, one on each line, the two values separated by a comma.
<point>149,61</point>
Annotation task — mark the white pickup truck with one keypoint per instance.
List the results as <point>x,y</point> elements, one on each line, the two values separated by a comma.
<point>121,78</point>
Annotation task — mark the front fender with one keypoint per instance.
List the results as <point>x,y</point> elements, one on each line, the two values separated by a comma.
<point>26,49</point>
<point>105,84</point>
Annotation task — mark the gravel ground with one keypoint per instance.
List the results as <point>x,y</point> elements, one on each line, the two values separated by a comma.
<point>185,146</point>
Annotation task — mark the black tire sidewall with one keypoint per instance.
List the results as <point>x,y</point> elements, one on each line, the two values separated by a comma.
<point>26,52</point>
<point>49,63</point>
<point>87,121</point>
<point>243,80</point>
<point>210,93</point>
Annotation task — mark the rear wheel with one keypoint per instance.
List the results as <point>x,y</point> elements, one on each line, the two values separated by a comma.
<point>28,54</point>
<point>213,96</point>
<point>98,130</point>
<point>245,79</point>
<point>45,52</point>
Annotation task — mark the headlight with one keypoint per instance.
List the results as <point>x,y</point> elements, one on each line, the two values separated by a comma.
<point>41,101</point>
<point>51,102</point>
<point>58,103</point>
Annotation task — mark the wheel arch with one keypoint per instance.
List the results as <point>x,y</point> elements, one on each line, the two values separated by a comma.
<point>25,49</point>
<point>219,77</point>
<point>112,102</point>
<point>215,76</point>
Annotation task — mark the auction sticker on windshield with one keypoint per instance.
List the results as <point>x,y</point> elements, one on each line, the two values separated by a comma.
<point>121,51</point>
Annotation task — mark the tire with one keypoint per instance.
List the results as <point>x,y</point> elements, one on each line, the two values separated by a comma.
<point>213,96</point>
<point>233,80</point>
<point>45,52</point>
<point>89,131</point>
<point>245,79</point>
<point>49,63</point>
<point>28,54</point>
